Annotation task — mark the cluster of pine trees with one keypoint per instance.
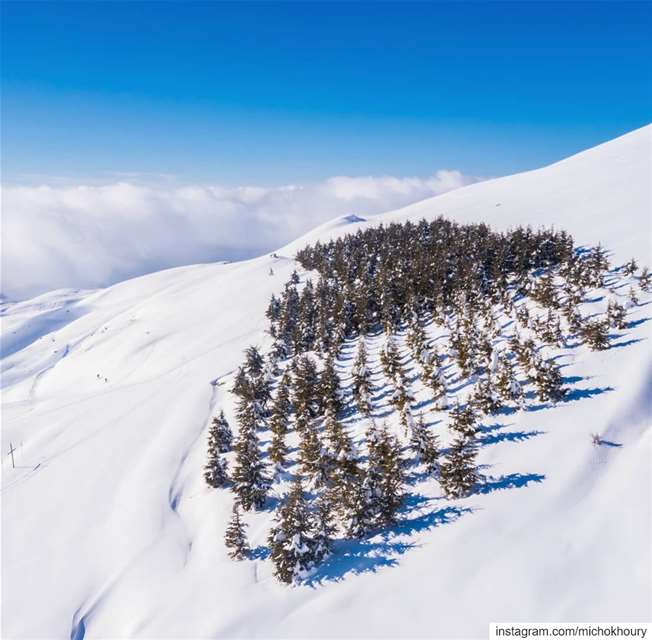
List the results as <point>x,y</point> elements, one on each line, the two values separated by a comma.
<point>522,289</point>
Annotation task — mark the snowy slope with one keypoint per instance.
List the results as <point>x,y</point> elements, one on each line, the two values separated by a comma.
<point>109,530</point>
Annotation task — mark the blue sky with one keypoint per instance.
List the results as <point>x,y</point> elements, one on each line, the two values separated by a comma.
<point>297,91</point>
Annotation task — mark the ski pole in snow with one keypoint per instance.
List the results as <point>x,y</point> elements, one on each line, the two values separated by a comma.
<point>11,453</point>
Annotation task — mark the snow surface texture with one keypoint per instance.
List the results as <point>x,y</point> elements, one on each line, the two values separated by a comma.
<point>110,531</point>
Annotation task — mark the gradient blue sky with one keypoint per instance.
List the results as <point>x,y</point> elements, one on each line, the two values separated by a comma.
<point>271,93</point>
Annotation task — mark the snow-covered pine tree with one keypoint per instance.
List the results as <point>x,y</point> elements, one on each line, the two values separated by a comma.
<point>630,268</point>
<point>305,389</point>
<point>401,399</point>
<point>235,538</point>
<point>291,539</point>
<point>390,359</point>
<point>616,315</point>
<point>548,381</point>
<point>220,433</point>
<point>463,420</point>
<point>241,386</point>
<point>485,397</point>
<point>362,387</point>
<point>595,334</point>
<point>324,523</point>
<point>315,462</point>
<point>329,388</point>
<point>425,445</point>
<point>458,473</point>
<point>544,291</point>
<point>216,469</point>
<point>416,338</point>
<point>250,482</point>
<point>279,421</point>
<point>383,478</point>
<point>645,279</point>
<point>507,385</point>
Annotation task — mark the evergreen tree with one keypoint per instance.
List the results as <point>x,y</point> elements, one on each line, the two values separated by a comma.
<point>305,397</point>
<point>424,445</point>
<point>216,470</point>
<point>241,385</point>
<point>291,539</point>
<point>401,399</point>
<point>324,524</point>
<point>633,298</point>
<point>434,379</point>
<point>250,482</point>
<point>254,362</point>
<point>219,441</point>
<point>458,473</point>
<point>507,384</point>
<point>645,279</point>
<point>362,387</point>
<point>485,398</point>
<point>548,380</point>
<point>595,334</point>
<point>616,315</point>
<point>279,421</point>
<point>236,537</point>
<point>314,460</point>
<point>390,359</point>
<point>329,387</point>
<point>463,420</point>
<point>383,479</point>
<point>630,268</point>
<point>220,434</point>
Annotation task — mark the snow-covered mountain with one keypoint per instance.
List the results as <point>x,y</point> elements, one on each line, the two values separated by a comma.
<point>109,530</point>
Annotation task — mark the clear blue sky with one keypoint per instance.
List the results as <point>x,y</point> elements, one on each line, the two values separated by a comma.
<point>269,93</point>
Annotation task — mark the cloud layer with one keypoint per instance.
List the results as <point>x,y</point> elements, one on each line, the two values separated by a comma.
<point>90,236</point>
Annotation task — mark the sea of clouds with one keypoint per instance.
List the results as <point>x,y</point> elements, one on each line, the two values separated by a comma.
<point>94,235</point>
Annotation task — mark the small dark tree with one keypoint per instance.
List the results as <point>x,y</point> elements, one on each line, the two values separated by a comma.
<point>507,385</point>
<point>390,359</point>
<point>548,381</point>
<point>401,399</point>
<point>616,315</point>
<point>221,434</point>
<point>630,268</point>
<point>329,387</point>
<point>362,387</point>
<point>595,334</point>
<point>291,540</point>
<point>314,460</point>
<point>463,420</point>
<point>279,421</point>
<point>384,477</point>
<point>250,482</point>
<point>305,397</point>
<point>633,298</point>
<point>324,524</point>
<point>219,441</point>
<point>458,473</point>
<point>424,445</point>
<point>485,398</point>
<point>236,537</point>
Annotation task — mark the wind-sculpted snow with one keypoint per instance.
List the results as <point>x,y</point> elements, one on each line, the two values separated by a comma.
<point>109,529</point>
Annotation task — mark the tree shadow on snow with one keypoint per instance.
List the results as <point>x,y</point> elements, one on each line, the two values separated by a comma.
<point>492,435</point>
<point>510,481</point>
<point>378,550</point>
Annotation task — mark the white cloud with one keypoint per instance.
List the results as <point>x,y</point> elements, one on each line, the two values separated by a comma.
<point>94,235</point>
